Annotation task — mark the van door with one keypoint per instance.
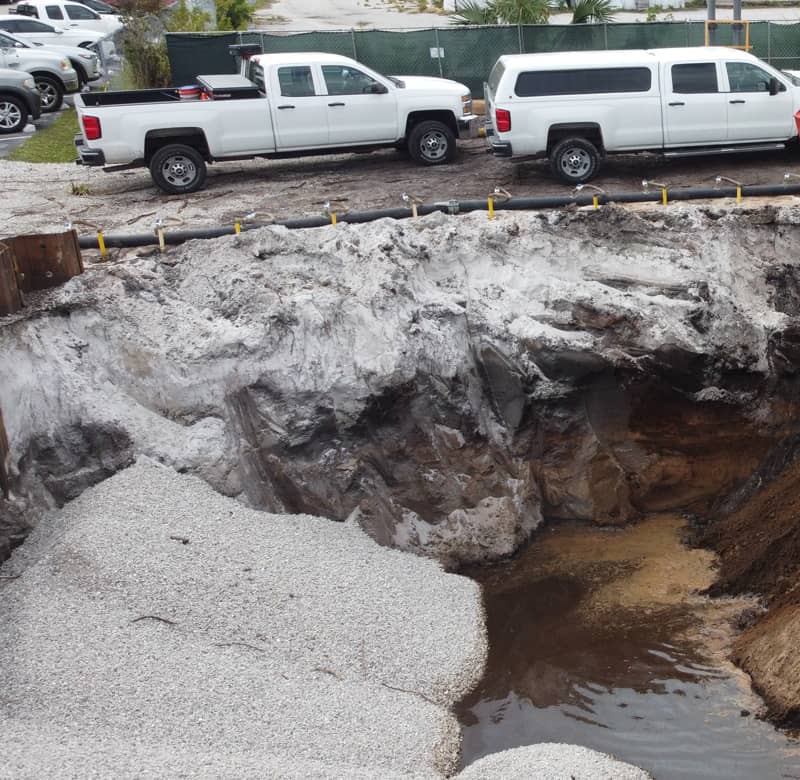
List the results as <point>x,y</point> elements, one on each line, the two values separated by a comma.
<point>299,109</point>
<point>695,110</point>
<point>754,114</point>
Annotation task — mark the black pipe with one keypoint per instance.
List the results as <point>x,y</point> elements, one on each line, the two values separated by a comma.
<point>448,207</point>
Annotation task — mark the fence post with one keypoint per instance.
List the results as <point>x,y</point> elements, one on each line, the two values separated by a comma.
<point>769,42</point>
<point>605,35</point>
<point>519,35</point>
<point>353,39</point>
<point>438,50</point>
<point>688,32</point>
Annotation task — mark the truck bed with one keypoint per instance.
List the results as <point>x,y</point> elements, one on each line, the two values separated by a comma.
<point>225,87</point>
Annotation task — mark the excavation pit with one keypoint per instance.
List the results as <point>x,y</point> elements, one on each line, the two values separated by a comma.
<point>445,384</point>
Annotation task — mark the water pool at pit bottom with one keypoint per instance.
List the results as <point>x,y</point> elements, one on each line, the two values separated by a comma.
<point>600,637</point>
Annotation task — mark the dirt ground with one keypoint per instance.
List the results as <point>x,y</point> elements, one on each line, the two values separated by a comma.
<point>44,197</point>
<point>759,550</point>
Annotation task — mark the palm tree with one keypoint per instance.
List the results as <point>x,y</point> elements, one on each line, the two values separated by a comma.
<point>475,12</point>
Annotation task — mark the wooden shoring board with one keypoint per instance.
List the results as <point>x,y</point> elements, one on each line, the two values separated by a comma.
<point>10,295</point>
<point>46,260</point>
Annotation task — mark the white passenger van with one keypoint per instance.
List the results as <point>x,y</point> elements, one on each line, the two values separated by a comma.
<point>576,107</point>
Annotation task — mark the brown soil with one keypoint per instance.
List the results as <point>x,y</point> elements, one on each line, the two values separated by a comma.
<point>759,549</point>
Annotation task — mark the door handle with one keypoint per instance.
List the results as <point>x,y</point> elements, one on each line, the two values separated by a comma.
<point>280,108</point>
<point>677,104</point>
<point>738,101</point>
<point>335,104</point>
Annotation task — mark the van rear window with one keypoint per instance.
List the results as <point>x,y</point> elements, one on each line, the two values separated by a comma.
<point>586,81</point>
<point>494,77</point>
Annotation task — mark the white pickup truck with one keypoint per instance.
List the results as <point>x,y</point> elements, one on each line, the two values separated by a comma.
<point>280,105</point>
<point>577,107</point>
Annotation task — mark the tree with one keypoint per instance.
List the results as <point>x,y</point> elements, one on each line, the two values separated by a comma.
<point>474,12</point>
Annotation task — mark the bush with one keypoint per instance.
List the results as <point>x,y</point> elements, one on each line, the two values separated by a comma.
<point>233,14</point>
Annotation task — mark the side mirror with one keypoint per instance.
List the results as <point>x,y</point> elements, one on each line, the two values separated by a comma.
<point>774,86</point>
<point>379,89</point>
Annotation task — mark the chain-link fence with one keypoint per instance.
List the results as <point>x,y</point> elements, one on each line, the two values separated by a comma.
<point>467,54</point>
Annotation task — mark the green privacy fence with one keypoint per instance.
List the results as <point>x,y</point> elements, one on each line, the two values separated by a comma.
<point>467,54</point>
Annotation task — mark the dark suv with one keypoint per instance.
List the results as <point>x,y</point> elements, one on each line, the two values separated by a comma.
<point>19,99</point>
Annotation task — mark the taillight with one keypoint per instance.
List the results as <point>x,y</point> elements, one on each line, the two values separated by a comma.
<point>91,127</point>
<point>502,119</point>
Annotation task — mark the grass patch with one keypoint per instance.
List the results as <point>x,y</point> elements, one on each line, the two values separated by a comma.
<point>54,144</point>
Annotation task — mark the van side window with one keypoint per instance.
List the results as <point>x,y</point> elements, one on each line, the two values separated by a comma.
<point>746,77</point>
<point>588,81</point>
<point>694,78</point>
<point>296,81</point>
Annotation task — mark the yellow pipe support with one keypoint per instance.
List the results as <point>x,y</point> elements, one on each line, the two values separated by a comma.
<point>333,218</point>
<point>413,209</point>
<point>738,193</point>
<point>102,244</point>
<point>161,243</point>
<point>237,228</point>
<point>491,207</point>
<point>595,202</point>
<point>663,196</point>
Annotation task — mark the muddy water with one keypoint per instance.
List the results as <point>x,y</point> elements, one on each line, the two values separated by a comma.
<point>599,637</point>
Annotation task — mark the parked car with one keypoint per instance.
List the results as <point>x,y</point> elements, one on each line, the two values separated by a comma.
<point>576,107</point>
<point>53,73</point>
<point>85,61</point>
<point>63,14</point>
<point>288,105</point>
<point>34,31</point>
<point>19,99</point>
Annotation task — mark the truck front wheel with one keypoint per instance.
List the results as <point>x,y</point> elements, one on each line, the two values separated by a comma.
<point>432,143</point>
<point>574,160</point>
<point>178,169</point>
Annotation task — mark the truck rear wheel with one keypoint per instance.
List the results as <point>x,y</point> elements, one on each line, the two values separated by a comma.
<point>574,160</point>
<point>432,143</point>
<point>178,169</point>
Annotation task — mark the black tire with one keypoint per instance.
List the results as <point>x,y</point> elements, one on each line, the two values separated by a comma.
<point>178,169</point>
<point>13,115</point>
<point>83,76</point>
<point>574,160</point>
<point>51,90</point>
<point>432,143</point>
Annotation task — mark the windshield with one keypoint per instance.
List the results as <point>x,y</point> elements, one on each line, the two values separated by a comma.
<point>794,76</point>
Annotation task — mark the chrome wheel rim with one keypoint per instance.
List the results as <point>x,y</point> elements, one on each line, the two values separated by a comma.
<point>49,94</point>
<point>10,115</point>
<point>575,162</point>
<point>433,145</point>
<point>179,170</point>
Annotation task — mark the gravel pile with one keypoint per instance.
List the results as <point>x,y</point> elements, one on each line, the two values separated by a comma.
<point>160,629</point>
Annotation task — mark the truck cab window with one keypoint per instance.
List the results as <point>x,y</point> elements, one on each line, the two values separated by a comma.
<point>79,12</point>
<point>344,80</point>
<point>746,77</point>
<point>53,12</point>
<point>296,81</point>
<point>695,78</point>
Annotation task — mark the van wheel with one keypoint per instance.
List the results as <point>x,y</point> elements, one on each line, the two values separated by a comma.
<point>432,143</point>
<point>178,169</point>
<point>575,160</point>
<point>52,92</point>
